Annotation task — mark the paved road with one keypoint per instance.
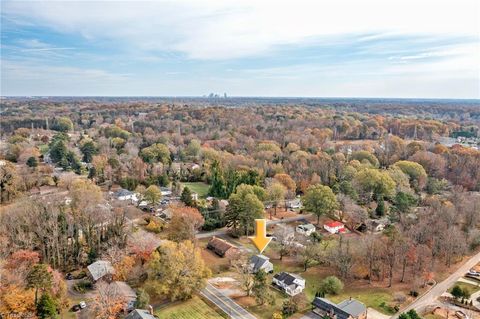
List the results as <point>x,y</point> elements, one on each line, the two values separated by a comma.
<point>230,307</point>
<point>269,222</point>
<point>431,296</point>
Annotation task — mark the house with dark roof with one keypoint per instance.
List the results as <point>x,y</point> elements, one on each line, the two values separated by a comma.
<point>291,284</point>
<point>101,269</point>
<point>260,262</point>
<point>141,314</point>
<point>221,247</point>
<point>347,309</point>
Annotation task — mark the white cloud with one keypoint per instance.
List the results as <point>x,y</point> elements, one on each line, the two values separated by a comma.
<point>232,29</point>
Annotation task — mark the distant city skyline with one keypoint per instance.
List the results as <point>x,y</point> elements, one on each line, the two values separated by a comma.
<point>332,48</point>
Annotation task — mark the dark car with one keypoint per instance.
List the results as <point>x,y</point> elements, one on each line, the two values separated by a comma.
<point>75,308</point>
<point>69,276</point>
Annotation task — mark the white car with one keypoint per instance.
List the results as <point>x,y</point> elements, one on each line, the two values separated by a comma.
<point>82,305</point>
<point>472,272</point>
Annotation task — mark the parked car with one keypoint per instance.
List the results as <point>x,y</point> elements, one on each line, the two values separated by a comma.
<point>75,308</point>
<point>82,305</point>
<point>472,272</point>
<point>69,276</point>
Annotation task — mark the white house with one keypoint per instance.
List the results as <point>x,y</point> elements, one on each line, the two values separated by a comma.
<point>291,284</point>
<point>123,194</point>
<point>334,227</point>
<point>260,262</point>
<point>294,203</point>
<point>306,229</point>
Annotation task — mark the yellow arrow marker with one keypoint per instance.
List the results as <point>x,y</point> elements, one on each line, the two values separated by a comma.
<point>260,239</point>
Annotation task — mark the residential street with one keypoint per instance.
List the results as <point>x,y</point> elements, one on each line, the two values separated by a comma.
<point>230,307</point>
<point>269,222</point>
<point>431,296</point>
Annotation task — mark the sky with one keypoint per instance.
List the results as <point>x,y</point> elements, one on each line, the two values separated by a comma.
<point>318,48</point>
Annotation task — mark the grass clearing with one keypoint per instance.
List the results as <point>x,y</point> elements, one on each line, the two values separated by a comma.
<point>198,187</point>
<point>464,285</point>
<point>194,308</point>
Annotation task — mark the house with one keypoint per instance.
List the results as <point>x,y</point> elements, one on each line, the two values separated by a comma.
<point>306,229</point>
<point>141,314</point>
<point>166,192</point>
<point>291,284</point>
<point>377,226</point>
<point>101,269</point>
<point>334,227</point>
<point>294,203</point>
<point>260,262</point>
<point>221,247</point>
<point>124,194</point>
<point>347,309</point>
<point>194,196</point>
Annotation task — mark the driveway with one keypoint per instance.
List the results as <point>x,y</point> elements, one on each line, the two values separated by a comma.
<point>431,296</point>
<point>230,307</point>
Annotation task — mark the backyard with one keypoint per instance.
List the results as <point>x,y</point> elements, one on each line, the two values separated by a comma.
<point>198,187</point>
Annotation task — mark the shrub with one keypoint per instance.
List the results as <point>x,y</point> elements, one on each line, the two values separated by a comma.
<point>331,285</point>
<point>82,286</point>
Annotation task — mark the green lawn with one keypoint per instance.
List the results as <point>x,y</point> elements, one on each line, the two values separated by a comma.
<point>194,308</point>
<point>198,187</point>
<point>472,288</point>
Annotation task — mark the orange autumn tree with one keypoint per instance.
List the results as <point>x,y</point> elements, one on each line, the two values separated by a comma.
<point>186,221</point>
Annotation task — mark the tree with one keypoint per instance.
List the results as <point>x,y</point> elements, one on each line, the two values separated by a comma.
<point>284,243</point>
<point>46,307</point>
<point>32,162</point>
<point>380,210</point>
<point>9,182</point>
<point>186,197</point>
<point>185,223</point>
<point>143,299</point>
<point>17,301</point>
<point>108,301</point>
<point>89,149</point>
<point>331,286</point>
<point>63,124</point>
<point>39,278</point>
<point>276,194</point>
<point>241,264</point>
<point>244,207</point>
<point>260,288</point>
<point>176,270</point>
<point>152,195</point>
<point>320,200</point>
<point>416,173</point>
<point>370,181</point>
<point>404,201</point>
<point>217,188</point>
<point>457,292</point>
<point>290,306</point>
<point>156,153</point>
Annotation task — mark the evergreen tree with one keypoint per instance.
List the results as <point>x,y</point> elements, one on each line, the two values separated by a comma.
<point>217,189</point>
<point>39,278</point>
<point>186,197</point>
<point>32,161</point>
<point>47,307</point>
<point>380,210</point>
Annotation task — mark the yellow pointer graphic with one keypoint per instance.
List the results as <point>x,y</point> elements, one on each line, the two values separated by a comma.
<point>260,239</point>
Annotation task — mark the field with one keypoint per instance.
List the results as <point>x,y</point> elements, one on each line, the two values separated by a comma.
<point>194,308</point>
<point>198,187</point>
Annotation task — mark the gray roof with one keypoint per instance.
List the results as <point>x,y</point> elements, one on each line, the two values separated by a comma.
<point>139,314</point>
<point>100,268</point>
<point>343,310</point>
<point>353,307</point>
<point>123,192</point>
<point>258,261</point>
<point>307,226</point>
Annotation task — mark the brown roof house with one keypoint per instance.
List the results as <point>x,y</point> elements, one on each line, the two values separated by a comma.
<point>222,247</point>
